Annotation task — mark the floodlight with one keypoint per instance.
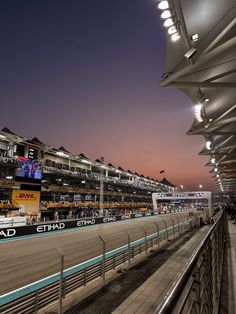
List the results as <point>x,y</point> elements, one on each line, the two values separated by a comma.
<point>163,5</point>
<point>168,22</point>
<point>165,14</point>
<point>175,36</point>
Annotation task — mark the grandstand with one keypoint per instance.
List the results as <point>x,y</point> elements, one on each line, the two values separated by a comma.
<point>69,185</point>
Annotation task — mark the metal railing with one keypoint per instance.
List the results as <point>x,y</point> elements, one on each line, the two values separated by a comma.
<point>31,298</point>
<point>197,289</point>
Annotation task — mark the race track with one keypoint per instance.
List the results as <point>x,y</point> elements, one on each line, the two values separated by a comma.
<point>27,260</point>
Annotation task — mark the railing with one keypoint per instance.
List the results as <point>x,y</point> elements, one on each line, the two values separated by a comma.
<point>34,296</point>
<point>197,289</point>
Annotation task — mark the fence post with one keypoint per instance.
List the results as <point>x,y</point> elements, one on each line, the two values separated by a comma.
<point>146,244</point>
<point>103,259</point>
<point>36,301</point>
<point>166,235</point>
<point>158,234</point>
<point>178,225</point>
<point>61,280</point>
<point>129,248</point>
<point>128,235</point>
<point>173,227</point>
<point>186,224</point>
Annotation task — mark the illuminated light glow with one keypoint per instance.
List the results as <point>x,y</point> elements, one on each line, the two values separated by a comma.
<point>175,37</point>
<point>206,99</point>
<point>216,169</point>
<point>213,160</point>
<point>219,179</point>
<point>200,186</point>
<point>118,171</point>
<point>83,182</point>
<point>208,144</point>
<point>210,120</point>
<point>163,5</point>
<point>197,111</point>
<point>195,37</point>
<point>62,154</point>
<point>165,14</point>
<point>86,161</point>
<point>2,136</point>
<point>172,30</point>
<point>217,175</point>
<point>9,177</point>
<point>168,23</point>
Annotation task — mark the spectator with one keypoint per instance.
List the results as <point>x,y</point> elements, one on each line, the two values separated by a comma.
<point>233,215</point>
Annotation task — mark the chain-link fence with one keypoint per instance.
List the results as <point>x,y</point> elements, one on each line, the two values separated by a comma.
<point>197,290</point>
<point>73,261</point>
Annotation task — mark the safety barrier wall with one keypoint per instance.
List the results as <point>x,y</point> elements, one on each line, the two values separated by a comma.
<point>12,232</point>
<point>34,296</point>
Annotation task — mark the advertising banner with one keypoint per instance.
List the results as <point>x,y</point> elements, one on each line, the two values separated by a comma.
<point>61,225</point>
<point>5,183</point>
<point>27,201</point>
<point>25,197</point>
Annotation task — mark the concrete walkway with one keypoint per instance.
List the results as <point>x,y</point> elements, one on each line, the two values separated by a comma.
<point>150,294</point>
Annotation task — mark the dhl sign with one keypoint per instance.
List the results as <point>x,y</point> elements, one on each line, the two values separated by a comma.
<point>7,183</point>
<point>25,197</point>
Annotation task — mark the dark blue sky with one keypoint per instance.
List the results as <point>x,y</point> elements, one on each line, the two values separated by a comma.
<point>85,75</point>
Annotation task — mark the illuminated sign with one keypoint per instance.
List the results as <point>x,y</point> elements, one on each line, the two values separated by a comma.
<point>181,194</point>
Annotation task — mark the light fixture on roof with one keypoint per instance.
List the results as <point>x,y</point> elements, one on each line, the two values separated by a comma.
<point>213,160</point>
<point>208,144</point>
<point>195,37</point>
<point>62,154</point>
<point>169,15</point>
<point>86,161</point>
<point>168,22</point>
<point>163,5</point>
<point>175,36</point>
<point>166,14</point>
<point>188,55</point>
<point>172,30</point>
<point>198,111</point>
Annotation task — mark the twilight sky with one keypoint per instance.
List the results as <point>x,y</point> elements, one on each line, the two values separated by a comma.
<point>84,74</point>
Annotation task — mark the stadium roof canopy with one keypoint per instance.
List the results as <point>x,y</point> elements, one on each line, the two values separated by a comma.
<point>168,183</point>
<point>201,61</point>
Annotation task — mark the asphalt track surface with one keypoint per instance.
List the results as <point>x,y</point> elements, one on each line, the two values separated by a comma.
<point>27,260</point>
